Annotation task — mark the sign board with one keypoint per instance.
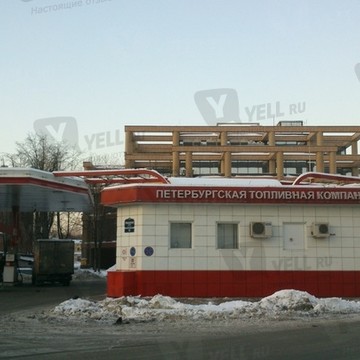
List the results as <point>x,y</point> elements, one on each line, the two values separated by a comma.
<point>129,225</point>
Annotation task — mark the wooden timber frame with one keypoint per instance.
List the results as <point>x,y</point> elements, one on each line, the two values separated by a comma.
<point>175,150</point>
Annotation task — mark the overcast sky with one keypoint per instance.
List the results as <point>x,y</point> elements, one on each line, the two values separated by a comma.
<point>110,63</point>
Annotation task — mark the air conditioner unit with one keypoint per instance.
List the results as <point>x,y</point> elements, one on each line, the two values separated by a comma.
<point>260,230</point>
<point>320,230</point>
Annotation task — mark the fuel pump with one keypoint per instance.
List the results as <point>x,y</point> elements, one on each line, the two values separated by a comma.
<point>9,264</point>
<point>10,269</point>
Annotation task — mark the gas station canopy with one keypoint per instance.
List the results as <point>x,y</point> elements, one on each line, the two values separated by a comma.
<point>37,190</point>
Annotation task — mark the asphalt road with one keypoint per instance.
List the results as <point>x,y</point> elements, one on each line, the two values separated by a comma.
<point>26,336</point>
<point>26,296</point>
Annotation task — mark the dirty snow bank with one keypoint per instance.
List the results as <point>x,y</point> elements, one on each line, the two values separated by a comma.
<point>89,274</point>
<point>280,304</point>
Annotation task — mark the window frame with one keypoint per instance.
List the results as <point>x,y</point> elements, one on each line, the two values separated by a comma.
<point>235,241</point>
<point>171,224</point>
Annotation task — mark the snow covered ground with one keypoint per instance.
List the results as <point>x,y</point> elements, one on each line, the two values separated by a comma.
<point>165,327</point>
<point>283,304</point>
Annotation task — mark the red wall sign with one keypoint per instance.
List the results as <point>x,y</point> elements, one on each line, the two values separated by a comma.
<point>253,195</point>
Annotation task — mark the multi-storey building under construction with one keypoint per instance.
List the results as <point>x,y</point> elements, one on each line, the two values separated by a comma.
<point>289,148</point>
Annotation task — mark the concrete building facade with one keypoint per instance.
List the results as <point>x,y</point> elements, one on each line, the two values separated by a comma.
<point>289,148</point>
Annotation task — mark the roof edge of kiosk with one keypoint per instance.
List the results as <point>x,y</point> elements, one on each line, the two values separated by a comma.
<point>316,188</point>
<point>37,190</point>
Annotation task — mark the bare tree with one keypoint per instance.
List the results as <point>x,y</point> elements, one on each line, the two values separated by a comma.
<point>67,225</point>
<point>40,152</point>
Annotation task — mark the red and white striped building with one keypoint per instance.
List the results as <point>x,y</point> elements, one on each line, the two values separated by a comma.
<point>236,237</point>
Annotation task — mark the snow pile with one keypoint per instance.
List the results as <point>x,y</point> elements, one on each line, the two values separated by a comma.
<point>135,308</point>
<point>336,305</point>
<point>88,274</point>
<point>288,300</point>
<point>81,308</point>
<point>164,307</point>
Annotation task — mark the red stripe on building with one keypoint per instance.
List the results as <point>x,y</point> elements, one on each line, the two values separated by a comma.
<point>231,283</point>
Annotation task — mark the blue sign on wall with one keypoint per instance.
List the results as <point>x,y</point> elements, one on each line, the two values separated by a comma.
<point>148,251</point>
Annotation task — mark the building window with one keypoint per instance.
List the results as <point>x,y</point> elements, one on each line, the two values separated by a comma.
<point>227,236</point>
<point>180,235</point>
